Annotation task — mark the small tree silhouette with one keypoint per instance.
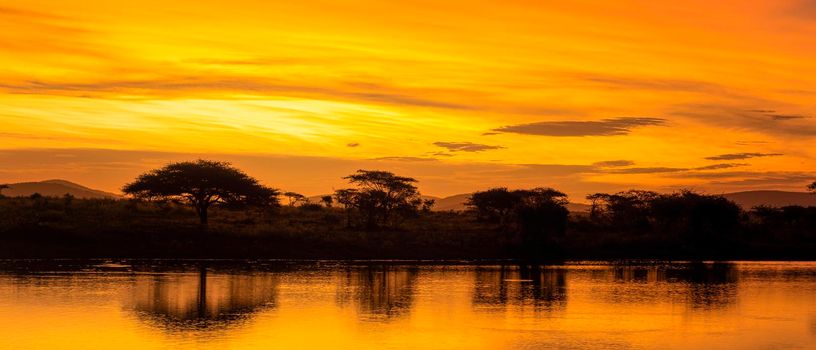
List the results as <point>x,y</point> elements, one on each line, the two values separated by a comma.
<point>327,200</point>
<point>812,187</point>
<point>595,200</point>
<point>3,187</point>
<point>348,198</point>
<point>202,183</point>
<point>294,198</point>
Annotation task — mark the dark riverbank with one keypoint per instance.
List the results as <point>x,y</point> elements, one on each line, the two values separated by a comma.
<point>55,228</point>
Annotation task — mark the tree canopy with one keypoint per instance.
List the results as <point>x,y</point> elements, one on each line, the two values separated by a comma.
<point>294,198</point>
<point>327,200</point>
<point>696,219</point>
<point>202,183</point>
<point>380,195</point>
<point>535,219</point>
<point>500,203</point>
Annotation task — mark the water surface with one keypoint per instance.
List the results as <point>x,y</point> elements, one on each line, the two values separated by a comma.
<point>243,305</point>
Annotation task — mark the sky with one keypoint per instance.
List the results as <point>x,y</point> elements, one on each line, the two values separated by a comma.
<point>582,96</point>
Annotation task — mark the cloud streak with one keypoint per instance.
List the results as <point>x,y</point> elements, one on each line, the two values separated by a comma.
<point>659,170</point>
<point>613,163</point>
<point>650,84</point>
<point>406,159</point>
<point>746,155</point>
<point>769,122</point>
<point>191,86</point>
<point>465,146</point>
<point>603,127</point>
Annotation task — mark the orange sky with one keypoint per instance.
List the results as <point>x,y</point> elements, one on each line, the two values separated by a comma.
<point>583,96</point>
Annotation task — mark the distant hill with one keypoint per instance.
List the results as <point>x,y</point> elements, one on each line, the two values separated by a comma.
<point>455,202</point>
<point>54,188</point>
<point>750,199</point>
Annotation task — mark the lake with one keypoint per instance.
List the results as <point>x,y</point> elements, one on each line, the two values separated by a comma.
<point>329,305</point>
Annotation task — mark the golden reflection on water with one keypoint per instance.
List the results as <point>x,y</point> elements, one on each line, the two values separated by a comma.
<point>576,306</point>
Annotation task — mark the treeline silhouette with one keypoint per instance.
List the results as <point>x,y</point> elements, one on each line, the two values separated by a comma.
<point>207,209</point>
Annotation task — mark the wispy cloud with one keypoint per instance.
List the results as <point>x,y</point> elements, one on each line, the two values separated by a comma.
<point>406,159</point>
<point>794,180</point>
<point>603,127</point>
<point>802,9</point>
<point>766,121</point>
<point>647,170</point>
<point>659,170</point>
<point>786,117</point>
<point>650,83</point>
<point>721,166</point>
<point>747,155</point>
<point>233,86</point>
<point>774,115</point>
<point>465,146</point>
<point>613,163</point>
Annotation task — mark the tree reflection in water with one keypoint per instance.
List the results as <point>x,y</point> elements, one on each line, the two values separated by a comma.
<point>545,288</point>
<point>711,285</point>
<point>381,293</point>
<point>203,300</point>
<point>698,285</point>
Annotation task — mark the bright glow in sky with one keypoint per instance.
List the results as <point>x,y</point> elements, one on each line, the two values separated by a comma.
<point>583,96</point>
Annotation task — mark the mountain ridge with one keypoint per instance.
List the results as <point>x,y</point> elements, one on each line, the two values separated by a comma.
<point>55,188</point>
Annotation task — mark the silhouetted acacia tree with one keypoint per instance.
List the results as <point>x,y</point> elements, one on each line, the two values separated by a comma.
<point>68,200</point>
<point>427,205</point>
<point>627,210</point>
<point>202,183</point>
<point>595,201</point>
<point>812,187</point>
<point>327,201</point>
<point>705,222</point>
<point>542,216</point>
<point>3,187</point>
<point>347,197</point>
<point>294,198</point>
<point>792,224</point>
<point>700,222</point>
<point>495,204</point>
<point>537,217</point>
<point>380,194</point>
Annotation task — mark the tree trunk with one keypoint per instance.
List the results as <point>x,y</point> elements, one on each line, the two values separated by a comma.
<point>202,291</point>
<point>202,214</point>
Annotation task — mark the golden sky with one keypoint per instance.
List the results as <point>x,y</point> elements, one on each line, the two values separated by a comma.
<point>583,96</point>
